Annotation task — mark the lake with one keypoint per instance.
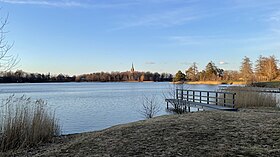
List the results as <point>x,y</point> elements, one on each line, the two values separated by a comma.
<point>82,107</point>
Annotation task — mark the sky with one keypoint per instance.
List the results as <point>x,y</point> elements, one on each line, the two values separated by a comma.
<point>84,36</point>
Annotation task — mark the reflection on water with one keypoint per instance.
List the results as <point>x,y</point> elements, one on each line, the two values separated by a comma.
<point>83,107</point>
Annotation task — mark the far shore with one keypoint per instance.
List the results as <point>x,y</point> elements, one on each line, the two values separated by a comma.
<point>217,82</point>
<point>140,81</point>
<point>211,82</point>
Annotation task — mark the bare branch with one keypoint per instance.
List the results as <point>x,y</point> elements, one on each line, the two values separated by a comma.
<point>7,61</point>
<point>150,107</point>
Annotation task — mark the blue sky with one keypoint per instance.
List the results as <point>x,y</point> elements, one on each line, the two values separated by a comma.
<point>83,36</point>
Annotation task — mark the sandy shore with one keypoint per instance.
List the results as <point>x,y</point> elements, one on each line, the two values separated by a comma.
<point>248,132</point>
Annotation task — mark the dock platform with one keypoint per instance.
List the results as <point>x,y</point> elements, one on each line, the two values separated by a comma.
<point>210,100</point>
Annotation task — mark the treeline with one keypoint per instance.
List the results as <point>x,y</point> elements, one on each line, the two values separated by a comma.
<point>124,76</point>
<point>23,77</point>
<point>265,69</point>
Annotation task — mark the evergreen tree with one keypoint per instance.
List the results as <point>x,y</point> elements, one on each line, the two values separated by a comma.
<point>211,71</point>
<point>246,70</point>
<point>260,68</point>
<point>179,76</point>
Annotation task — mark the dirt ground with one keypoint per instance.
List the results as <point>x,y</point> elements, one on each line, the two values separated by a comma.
<point>248,132</point>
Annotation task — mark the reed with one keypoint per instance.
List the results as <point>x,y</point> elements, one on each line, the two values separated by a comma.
<point>247,97</point>
<point>26,123</point>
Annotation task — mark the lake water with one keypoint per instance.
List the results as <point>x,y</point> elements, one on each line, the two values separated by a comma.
<point>82,107</point>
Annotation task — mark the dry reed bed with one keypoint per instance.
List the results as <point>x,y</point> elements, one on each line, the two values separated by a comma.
<point>25,123</point>
<point>249,132</point>
<point>248,97</point>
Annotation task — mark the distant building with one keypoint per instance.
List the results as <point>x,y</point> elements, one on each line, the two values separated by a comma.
<point>132,73</point>
<point>132,69</point>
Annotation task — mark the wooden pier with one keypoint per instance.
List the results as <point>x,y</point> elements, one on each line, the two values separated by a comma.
<point>213,100</point>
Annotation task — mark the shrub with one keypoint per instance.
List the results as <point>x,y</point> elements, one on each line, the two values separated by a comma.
<point>26,123</point>
<point>150,107</point>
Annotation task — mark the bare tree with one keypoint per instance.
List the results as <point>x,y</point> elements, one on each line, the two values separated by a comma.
<point>150,107</point>
<point>7,61</point>
<point>266,68</point>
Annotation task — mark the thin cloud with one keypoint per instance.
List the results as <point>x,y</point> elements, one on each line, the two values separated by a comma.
<point>63,3</point>
<point>185,40</point>
<point>86,3</point>
<point>223,63</point>
<point>150,63</point>
<point>204,40</point>
<point>163,19</point>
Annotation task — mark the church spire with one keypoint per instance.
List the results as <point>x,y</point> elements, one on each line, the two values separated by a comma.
<point>132,69</point>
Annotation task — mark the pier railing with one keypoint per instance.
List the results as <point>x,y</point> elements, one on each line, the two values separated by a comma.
<point>226,99</point>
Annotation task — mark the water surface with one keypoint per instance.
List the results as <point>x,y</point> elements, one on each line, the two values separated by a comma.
<point>82,107</point>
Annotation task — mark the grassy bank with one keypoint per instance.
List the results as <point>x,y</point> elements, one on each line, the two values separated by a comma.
<point>249,132</point>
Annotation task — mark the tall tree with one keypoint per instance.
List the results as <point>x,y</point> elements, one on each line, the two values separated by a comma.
<point>179,76</point>
<point>211,71</point>
<point>260,68</point>
<point>266,68</point>
<point>246,70</point>
<point>191,73</point>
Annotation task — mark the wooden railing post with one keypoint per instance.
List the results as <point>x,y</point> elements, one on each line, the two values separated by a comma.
<point>207,97</point>
<point>217,98</point>
<point>193,96</point>
<point>233,99</point>
<point>224,99</point>
<point>200,96</point>
<point>182,94</point>
<point>177,90</point>
<point>187,95</point>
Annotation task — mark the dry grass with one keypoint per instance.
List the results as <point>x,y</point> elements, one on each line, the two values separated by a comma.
<point>217,82</point>
<point>25,123</point>
<point>249,132</point>
<point>248,97</point>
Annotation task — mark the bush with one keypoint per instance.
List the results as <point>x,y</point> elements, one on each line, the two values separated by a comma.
<point>150,107</point>
<point>249,97</point>
<point>26,123</point>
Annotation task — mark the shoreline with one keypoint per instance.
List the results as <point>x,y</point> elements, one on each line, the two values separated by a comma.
<point>211,83</point>
<point>217,82</point>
